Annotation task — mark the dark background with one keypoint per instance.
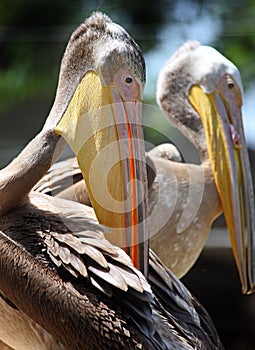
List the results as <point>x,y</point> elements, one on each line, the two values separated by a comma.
<point>33,35</point>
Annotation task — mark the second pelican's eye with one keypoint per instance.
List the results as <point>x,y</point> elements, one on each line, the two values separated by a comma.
<point>128,79</point>
<point>231,85</point>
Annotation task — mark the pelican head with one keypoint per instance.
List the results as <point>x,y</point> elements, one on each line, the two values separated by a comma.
<point>97,111</point>
<point>201,92</point>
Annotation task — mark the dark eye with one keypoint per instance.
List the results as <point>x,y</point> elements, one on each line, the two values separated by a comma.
<point>231,85</point>
<point>128,79</point>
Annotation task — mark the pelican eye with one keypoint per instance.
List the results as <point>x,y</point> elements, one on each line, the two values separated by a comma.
<point>231,86</point>
<point>128,79</point>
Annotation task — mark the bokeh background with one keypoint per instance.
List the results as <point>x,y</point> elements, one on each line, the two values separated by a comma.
<point>33,35</point>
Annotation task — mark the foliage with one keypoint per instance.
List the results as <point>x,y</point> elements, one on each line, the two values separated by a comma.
<point>33,35</point>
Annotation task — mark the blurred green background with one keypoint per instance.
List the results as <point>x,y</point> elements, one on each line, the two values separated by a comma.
<point>33,36</point>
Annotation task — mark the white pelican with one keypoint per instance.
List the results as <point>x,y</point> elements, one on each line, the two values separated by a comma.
<point>62,284</point>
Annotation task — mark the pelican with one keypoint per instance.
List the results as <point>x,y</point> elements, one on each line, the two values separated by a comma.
<point>62,284</point>
<point>200,92</point>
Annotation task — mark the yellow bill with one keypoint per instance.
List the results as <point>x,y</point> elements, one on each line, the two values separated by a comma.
<point>220,113</point>
<point>106,135</point>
